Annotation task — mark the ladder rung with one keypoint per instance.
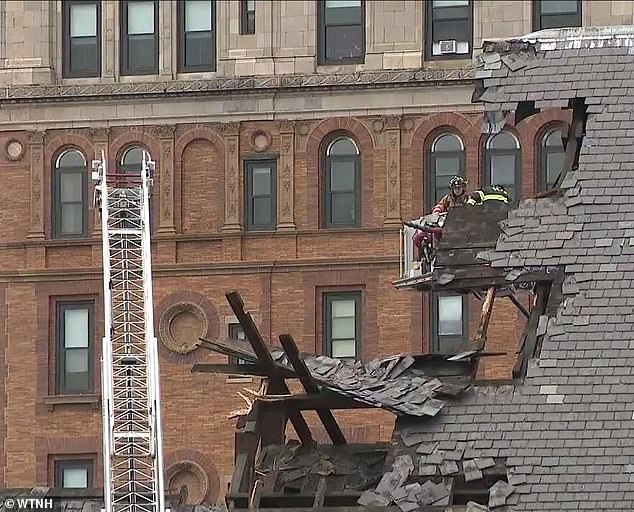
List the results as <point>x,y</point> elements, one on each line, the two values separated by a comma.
<point>131,435</point>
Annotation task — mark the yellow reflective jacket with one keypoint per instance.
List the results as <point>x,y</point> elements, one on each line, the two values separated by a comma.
<point>479,197</point>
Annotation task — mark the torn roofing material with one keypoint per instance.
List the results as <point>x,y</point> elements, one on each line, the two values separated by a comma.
<point>566,431</point>
<point>402,384</point>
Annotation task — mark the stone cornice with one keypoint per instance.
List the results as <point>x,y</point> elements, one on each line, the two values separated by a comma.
<point>361,79</point>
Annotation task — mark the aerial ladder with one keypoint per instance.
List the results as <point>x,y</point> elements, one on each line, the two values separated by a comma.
<point>132,447</point>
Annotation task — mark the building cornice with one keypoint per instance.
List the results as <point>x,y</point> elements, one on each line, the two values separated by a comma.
<point>241,85</point>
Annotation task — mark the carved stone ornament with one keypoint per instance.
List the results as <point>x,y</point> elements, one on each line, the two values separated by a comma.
<point>164,131</point>
<point>181,326</point>
<point>36,137</point>
<point>304,129</point>
<point>407,124</point>
<point>378,126</point>
<point>230,128</point>
<point>392,122</point>
<point>225,86</point>
<point>14,150</point>
<point>191,475</point>
<point>260,140</point>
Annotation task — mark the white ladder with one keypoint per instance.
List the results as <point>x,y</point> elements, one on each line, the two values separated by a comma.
<point>132,448</point>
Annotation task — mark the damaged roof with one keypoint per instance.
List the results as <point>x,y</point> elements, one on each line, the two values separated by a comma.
<point>565,434</point>
<point>402,384</point>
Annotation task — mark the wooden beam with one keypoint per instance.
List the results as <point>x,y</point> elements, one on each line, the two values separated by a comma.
<point>265,359</point>
<point>323,400</point>
<point>303,373</point>
<point>238,369</point>
<point>530,332</point>
<point>519,305</point>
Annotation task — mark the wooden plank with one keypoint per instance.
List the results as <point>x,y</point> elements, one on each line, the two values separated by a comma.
<point>303,373</point>
<point>462,256</point>
<point>485,317</point>
<point>265,359</point>
<point>320,494</point>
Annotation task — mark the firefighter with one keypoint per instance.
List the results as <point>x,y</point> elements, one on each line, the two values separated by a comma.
<point>488,193</point>
<point>457,195</point>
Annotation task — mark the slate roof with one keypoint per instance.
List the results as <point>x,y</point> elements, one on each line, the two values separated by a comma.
<point>566,433</point>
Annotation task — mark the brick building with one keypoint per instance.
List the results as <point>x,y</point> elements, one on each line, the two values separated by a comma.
<point>290,139</point>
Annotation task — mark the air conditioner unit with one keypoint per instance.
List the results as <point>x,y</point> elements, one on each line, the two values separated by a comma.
<point>448,46</point>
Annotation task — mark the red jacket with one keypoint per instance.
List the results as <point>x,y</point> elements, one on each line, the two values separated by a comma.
<point>447,201</point>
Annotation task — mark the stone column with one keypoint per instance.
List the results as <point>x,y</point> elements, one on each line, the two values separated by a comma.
<point>100,138</point>
<point>393,171</point>
<point>166,169</point>
<point>233,185</point>
<point>286,177</point>
<point>36,158</point>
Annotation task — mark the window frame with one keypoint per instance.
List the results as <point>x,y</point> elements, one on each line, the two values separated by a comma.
<point>57,195</point>
<point>66,40</point>
<point>60,369</point>
<point>182,61</point>
<point>124,45</point>
<point>327,299</point>
<point>245,28</point>
<point>326,188</point>
<point>543,152</point>
<point>516,193</point>
<point>249,224</point>
<point>436,341</point>
<point>60,465</point>
<point>428,11</point>
<point>236,360</point>
<point>431,159</point>
<point>537,16</point>
<point>322,60</point>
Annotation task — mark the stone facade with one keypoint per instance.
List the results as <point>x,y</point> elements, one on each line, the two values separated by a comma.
<point>200,128</point>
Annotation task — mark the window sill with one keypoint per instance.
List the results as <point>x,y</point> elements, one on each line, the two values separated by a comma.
<point>52,401</point>
<point>241,379</point>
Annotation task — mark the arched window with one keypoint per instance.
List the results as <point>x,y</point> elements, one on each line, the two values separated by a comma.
<point>132,160</point>
<point>446,161</point>
<point>551,158</point>
<point>502,163</point>
<point>70,195</point>
<point>342,204</point>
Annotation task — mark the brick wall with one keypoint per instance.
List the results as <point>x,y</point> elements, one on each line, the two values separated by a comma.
<point>280,275</point>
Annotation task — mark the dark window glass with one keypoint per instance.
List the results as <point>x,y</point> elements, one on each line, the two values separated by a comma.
<point>139,37</point>
<point>81,38</point>
<point>552,158</point>
<point>449,28</point>
<point>341,31</point>
<point>260,195</point>
<point>247,16</point>
<point>503,163</point>
<point>449,323</point>
<point>132,161</point>
<point>342,325</point>
<point>342,183</point>
<point>447,161</point>
<point>73,474</point>
<point>237,333</point>
<point>75,339</point>
<point>556,14</point>
<point>197,35</point>
<point>70,210</point>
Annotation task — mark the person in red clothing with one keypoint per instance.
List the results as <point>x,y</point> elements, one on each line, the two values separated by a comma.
<point>458,195</point>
